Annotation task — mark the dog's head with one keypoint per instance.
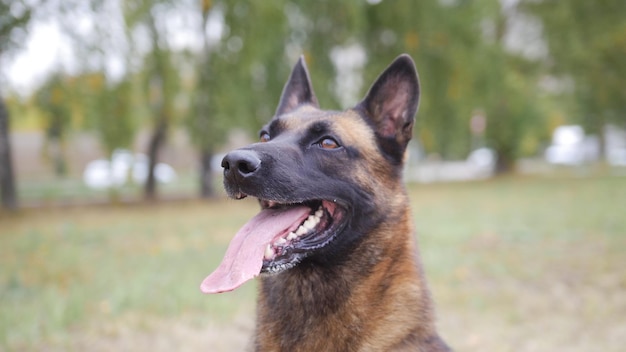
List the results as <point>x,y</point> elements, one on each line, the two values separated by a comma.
<point>319,175</point>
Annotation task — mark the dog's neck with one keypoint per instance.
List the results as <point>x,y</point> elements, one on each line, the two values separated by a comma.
<point>314,307</point>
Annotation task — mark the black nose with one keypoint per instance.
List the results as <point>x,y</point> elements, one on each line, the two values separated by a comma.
<point>240,163</point>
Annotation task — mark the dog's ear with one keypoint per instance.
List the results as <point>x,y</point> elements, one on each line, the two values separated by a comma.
<point>391,104</point>
<point>298,90</point>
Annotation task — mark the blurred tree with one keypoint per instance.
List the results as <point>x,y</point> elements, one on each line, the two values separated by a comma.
<point>248,69</point>
<point>161,80</point>
<point>108,101</point>
<point>14,18</point>
<point>53,99</point>
<point>464,67</point>
<point>442,38</point>
<point>319,28</point>
<point>206,131</point>
<point>110,97</point>
<point>239,74</point>
<point>587,45</point>
<point>159,73</point>
<point>109,108</point>
<point>505,85</point>
<point>510,113</point>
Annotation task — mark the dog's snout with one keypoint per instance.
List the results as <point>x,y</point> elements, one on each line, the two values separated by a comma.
<point>241,163</point>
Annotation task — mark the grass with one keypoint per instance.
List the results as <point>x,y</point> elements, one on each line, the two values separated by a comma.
<point>527,265</point>
<point>519,264</point>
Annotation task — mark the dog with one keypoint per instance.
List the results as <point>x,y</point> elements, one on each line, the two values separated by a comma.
<point>333,243</point>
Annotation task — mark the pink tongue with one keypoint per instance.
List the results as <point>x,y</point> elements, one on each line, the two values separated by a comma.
<point>244,257</point>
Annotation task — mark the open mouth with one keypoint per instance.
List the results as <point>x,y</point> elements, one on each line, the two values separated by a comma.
<point>318,229</point>
<point>276,239</point>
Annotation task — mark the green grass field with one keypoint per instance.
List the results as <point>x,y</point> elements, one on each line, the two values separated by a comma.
<point>515,264</point>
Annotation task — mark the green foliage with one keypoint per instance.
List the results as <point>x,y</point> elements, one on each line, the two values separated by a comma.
<point>54,100</point>
<point>462,70</point>
<point>442,40</point>
<point>14,17</point>
<point>587,44</point>
<point>113,113</point>
<point>242,75</point>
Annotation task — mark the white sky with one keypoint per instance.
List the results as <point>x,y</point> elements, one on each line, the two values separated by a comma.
<point>44,51</point>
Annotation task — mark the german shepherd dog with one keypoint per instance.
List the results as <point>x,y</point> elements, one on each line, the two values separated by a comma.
<point>333,244</point>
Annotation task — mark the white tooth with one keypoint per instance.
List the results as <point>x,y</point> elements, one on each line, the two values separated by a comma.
<point>269,252</point>
<point>309,225</point>
<point>281,241</point>
<point>292,235</point>
<point>301,231</point>
<point>319,213</point>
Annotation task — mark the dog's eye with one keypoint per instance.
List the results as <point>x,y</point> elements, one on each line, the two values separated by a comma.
<point>265,137</point>
<point>328,143</point>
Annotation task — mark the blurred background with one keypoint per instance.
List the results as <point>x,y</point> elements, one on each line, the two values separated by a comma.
<point>114,116</point>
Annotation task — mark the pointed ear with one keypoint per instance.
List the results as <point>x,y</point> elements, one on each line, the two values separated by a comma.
<point>391,104</point>
<point>298,90</point>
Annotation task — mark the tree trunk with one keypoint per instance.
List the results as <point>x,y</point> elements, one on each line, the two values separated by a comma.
<point>206,176</point>
<point>7,182</point>
<point>505,163</point>
<point>157,140</point>
<point>600,129</point>
<point>163,105</point>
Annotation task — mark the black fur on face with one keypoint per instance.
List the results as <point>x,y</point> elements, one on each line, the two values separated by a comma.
<point>294,167</point>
